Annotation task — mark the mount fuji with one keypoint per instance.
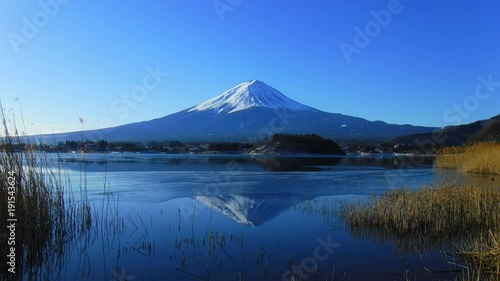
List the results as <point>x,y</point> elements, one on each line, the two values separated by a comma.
<point>248,112</point>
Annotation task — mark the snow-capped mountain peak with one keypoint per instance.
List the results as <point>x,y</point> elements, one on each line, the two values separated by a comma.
<point>250,94</point>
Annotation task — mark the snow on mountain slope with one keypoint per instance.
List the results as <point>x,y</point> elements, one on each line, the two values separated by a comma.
<point>247,95</point>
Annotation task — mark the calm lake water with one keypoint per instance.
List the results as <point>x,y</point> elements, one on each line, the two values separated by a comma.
<point>214,217</point>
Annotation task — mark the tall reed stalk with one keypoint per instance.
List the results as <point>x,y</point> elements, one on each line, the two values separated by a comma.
<point>48,216</point>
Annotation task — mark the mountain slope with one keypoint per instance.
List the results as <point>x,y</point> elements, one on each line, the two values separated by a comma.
<point>483,130</point>
<point>248,112</point>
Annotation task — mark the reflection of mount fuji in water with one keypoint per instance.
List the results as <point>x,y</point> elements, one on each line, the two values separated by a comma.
<point>251,190</point>
<point>252,209</point>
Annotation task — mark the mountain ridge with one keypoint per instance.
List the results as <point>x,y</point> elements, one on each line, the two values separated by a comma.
<point>251,110</point>
<point>487,130</point>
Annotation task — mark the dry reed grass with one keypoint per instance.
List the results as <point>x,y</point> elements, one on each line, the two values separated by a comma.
<point>441,210</point>
<point>484,251</point>
<point>466,216</point>
<point>479,158</point>
<point>48,216</point>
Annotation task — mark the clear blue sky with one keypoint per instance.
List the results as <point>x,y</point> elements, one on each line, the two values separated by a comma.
<point>87,54</point>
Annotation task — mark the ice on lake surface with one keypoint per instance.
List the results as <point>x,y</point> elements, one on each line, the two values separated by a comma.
<point>235,217</point>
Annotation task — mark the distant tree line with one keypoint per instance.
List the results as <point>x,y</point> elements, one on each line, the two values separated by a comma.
<point>154,146</point>
<point>304,143</point>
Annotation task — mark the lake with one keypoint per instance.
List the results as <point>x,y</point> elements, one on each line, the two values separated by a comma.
<point>238,217</point>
